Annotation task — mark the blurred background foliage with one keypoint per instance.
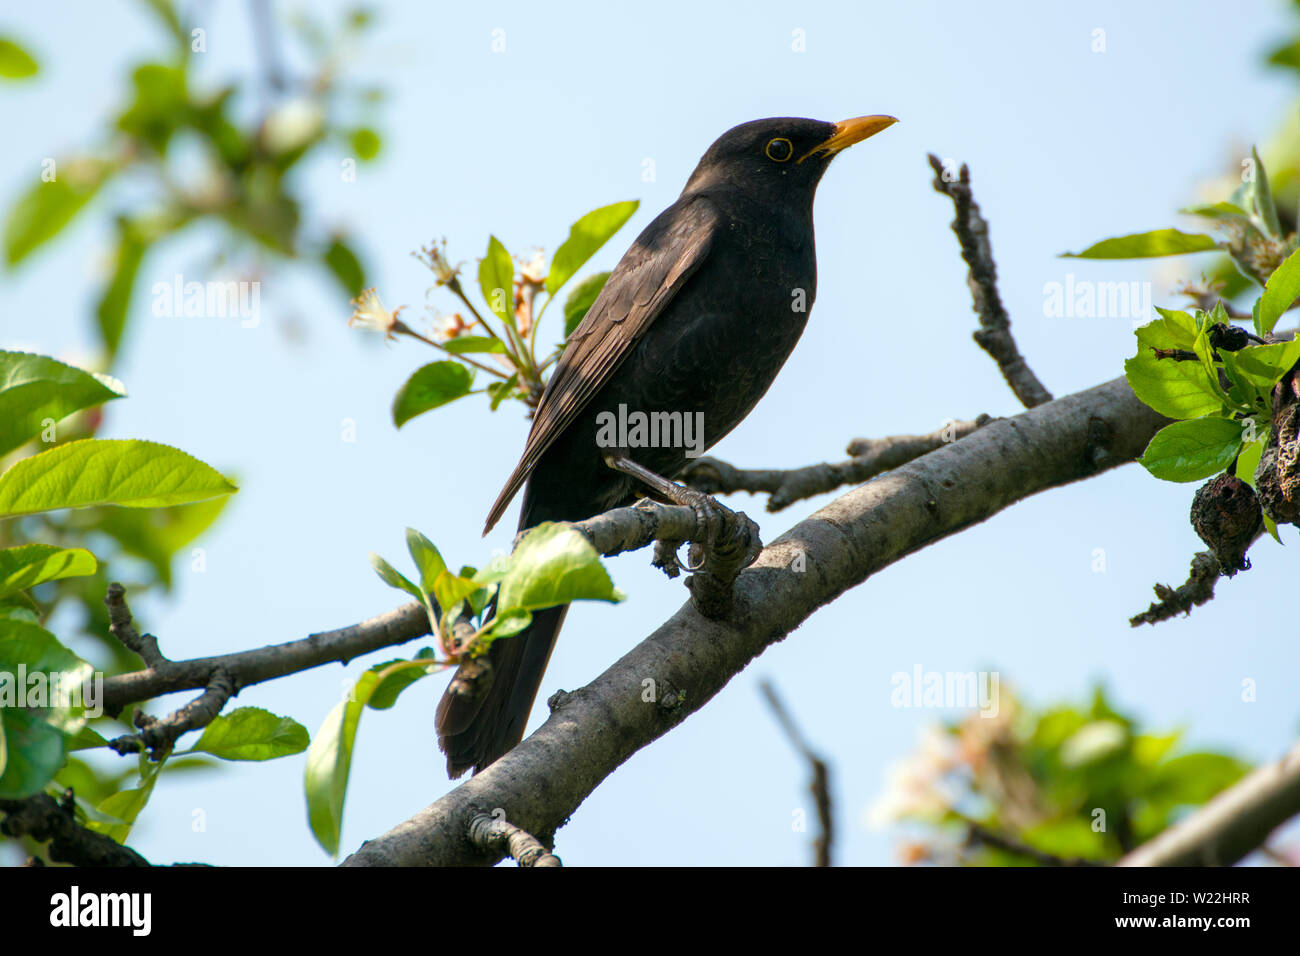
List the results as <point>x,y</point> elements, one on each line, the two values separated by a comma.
<point>1058,785</point>
<point>176,155</point>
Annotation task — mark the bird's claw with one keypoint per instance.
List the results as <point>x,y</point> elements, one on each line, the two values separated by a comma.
<point>728,543</point>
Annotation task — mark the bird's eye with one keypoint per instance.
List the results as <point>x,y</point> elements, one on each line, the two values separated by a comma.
<point>779,150</point>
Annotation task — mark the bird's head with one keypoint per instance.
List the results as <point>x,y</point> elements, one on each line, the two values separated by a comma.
<point>780,156</point>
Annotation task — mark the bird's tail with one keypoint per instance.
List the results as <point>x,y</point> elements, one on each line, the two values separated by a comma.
<point>477,724</point>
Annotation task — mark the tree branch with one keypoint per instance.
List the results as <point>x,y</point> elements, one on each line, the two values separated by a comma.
<point>688,659</point>
<point>820,787</point>
<point>871,457</point>
<point>616,531</point>
<point>43,818</point>
<point>1195,591</point>
<point>994,334</point>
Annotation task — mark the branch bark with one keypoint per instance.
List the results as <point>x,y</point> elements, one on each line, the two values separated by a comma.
<point>688,659</point>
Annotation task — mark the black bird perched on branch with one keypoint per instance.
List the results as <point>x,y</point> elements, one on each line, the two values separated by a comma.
<point>697,318</point>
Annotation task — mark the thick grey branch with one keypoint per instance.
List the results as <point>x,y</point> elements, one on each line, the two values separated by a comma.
<point>688,659</point>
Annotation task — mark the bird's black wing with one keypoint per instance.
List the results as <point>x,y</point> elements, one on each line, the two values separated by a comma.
<point>642,284</point>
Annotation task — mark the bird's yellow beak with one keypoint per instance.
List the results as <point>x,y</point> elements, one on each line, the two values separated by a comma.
<point>850,131</point>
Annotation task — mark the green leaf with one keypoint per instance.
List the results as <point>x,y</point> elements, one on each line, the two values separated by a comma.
<point>42,212</point>
<point>1282,289</point>
<point>1287,55</point>
<point>1266,364</point>
<point>1262,198</point>
<point>329,761</point>
<point>1218,210</point>
<point>1255,369</point>
<point>1149,749</point>
<point>33,752</point>
<point>1193,778</point>
<point>581,299</point>
<point>15,62</point>
<point>19,607</point>
<point>431,386</point>
<point>554,564</point>
<point>34,738</point>
<point>1174,389</point>
<point>114,304</point>
<point>396,676</point>
<point>507,625</point>
<point>1191,450</point>
<point>365,143</point>
<point>426,557</point>
<point>394,578</point>
<point>496,280</point>
<point>34,388</point>
<point>1145,245</point>
<point>31,564</point>
<point>30,647</point>
<point>464,344</point>
<point>134,474</point>
<point>586,236</point>
<point>500,391</point>
<point>87,738</point>
<point>250,733</point>
<point>1069,837</point>
<point>343,263</point>
<point>449,590</point>
<point>125,805</point>
<point>159,107</point>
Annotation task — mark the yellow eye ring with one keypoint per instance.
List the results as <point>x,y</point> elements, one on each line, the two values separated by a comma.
<point>779,150</point>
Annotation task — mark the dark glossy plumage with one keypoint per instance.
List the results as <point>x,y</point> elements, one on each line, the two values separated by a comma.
<point>698,317</point>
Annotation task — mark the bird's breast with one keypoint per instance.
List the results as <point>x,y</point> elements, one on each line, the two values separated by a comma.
<point>719,344</point>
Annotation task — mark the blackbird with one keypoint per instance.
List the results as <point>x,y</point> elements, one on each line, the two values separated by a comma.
<point>697,318</point>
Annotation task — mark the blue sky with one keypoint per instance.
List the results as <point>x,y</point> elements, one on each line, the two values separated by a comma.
<point>1066,146</point>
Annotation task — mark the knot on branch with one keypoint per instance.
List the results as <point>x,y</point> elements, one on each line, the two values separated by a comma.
<point>495,834</point>
<point>159,735</point>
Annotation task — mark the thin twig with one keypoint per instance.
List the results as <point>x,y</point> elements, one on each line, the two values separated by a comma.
<point>159,735</point>
<point>820,785</point>
<point>871,457</point>
<point>1195,591</point>
<point>120,626</point>
<point>994,334</point>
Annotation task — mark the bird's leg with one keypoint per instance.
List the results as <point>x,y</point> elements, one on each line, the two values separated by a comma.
<point>728,541</point>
